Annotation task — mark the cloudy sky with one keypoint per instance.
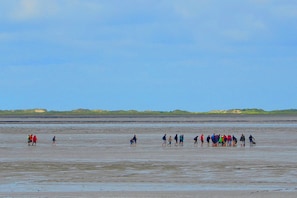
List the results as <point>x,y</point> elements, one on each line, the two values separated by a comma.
<point>194,55</point>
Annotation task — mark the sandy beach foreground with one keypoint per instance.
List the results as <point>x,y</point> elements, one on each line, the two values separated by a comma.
<point>93,158</point>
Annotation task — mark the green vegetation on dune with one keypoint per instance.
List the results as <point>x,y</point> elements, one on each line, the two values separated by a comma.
<point>253,111</point>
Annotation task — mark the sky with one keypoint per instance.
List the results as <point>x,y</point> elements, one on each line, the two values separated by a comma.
<point>159,55</point>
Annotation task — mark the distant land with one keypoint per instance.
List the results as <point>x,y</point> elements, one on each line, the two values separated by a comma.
<point>39,111</point>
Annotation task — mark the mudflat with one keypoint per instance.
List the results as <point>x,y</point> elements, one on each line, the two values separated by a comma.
<point>92,157</point>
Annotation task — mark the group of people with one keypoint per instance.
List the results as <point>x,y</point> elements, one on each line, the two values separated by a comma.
<point>178,140</point>
<point>227,140</point>
<point>32,140</point>
<point>216,140</point>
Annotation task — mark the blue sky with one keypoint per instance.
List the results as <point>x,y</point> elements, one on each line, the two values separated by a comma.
<point>194,55</point>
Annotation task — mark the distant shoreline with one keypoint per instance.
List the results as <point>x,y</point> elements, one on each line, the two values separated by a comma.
<point>95,113</point>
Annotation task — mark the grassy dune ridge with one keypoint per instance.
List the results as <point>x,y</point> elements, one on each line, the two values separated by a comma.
<point>39,111</point>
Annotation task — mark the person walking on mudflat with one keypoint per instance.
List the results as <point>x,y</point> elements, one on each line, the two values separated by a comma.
<point>181,140</point>
<point>29,140</point>
<point>169,141</point>
<point>134,139</point>
<point>195,140</point>
<point>208,140</point>
<point>176,140</point>
<point>234,140</point>
<point>164,140</point>
<point>34,140</point>
<point>202,139</point>
<point>252,140</point>
<point>242,140</point>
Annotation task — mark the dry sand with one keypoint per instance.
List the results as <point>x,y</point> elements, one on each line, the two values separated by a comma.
<point>92,158</point>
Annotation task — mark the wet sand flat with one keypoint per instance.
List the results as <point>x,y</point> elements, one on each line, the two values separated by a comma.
<point>92,157</point>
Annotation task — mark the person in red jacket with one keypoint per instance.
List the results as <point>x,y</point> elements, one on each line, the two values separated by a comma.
<point>229,140</point>
<point>202,139</point>
<point>34,140</point>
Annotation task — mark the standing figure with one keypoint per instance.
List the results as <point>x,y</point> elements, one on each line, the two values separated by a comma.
<point>221,139</point>
<point>164,140</point>
<point>224,140</point>
<point>242,140</point>
<point>181,140</point>
<point>229,140</point>
<point>29,140</point>
<point>208,139</point>
<point>34,140</point>
<point>54,140</point>
<point>234,140</point>
<point>169,141</point>
<point>196,140</point>
<point>134,139</point>
<point>176,140</point>
<point>215,140</point>
<point>202,139</point>
<point>252,140</point>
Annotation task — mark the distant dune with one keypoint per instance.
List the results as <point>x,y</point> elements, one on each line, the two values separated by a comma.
<point>40,111</point>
